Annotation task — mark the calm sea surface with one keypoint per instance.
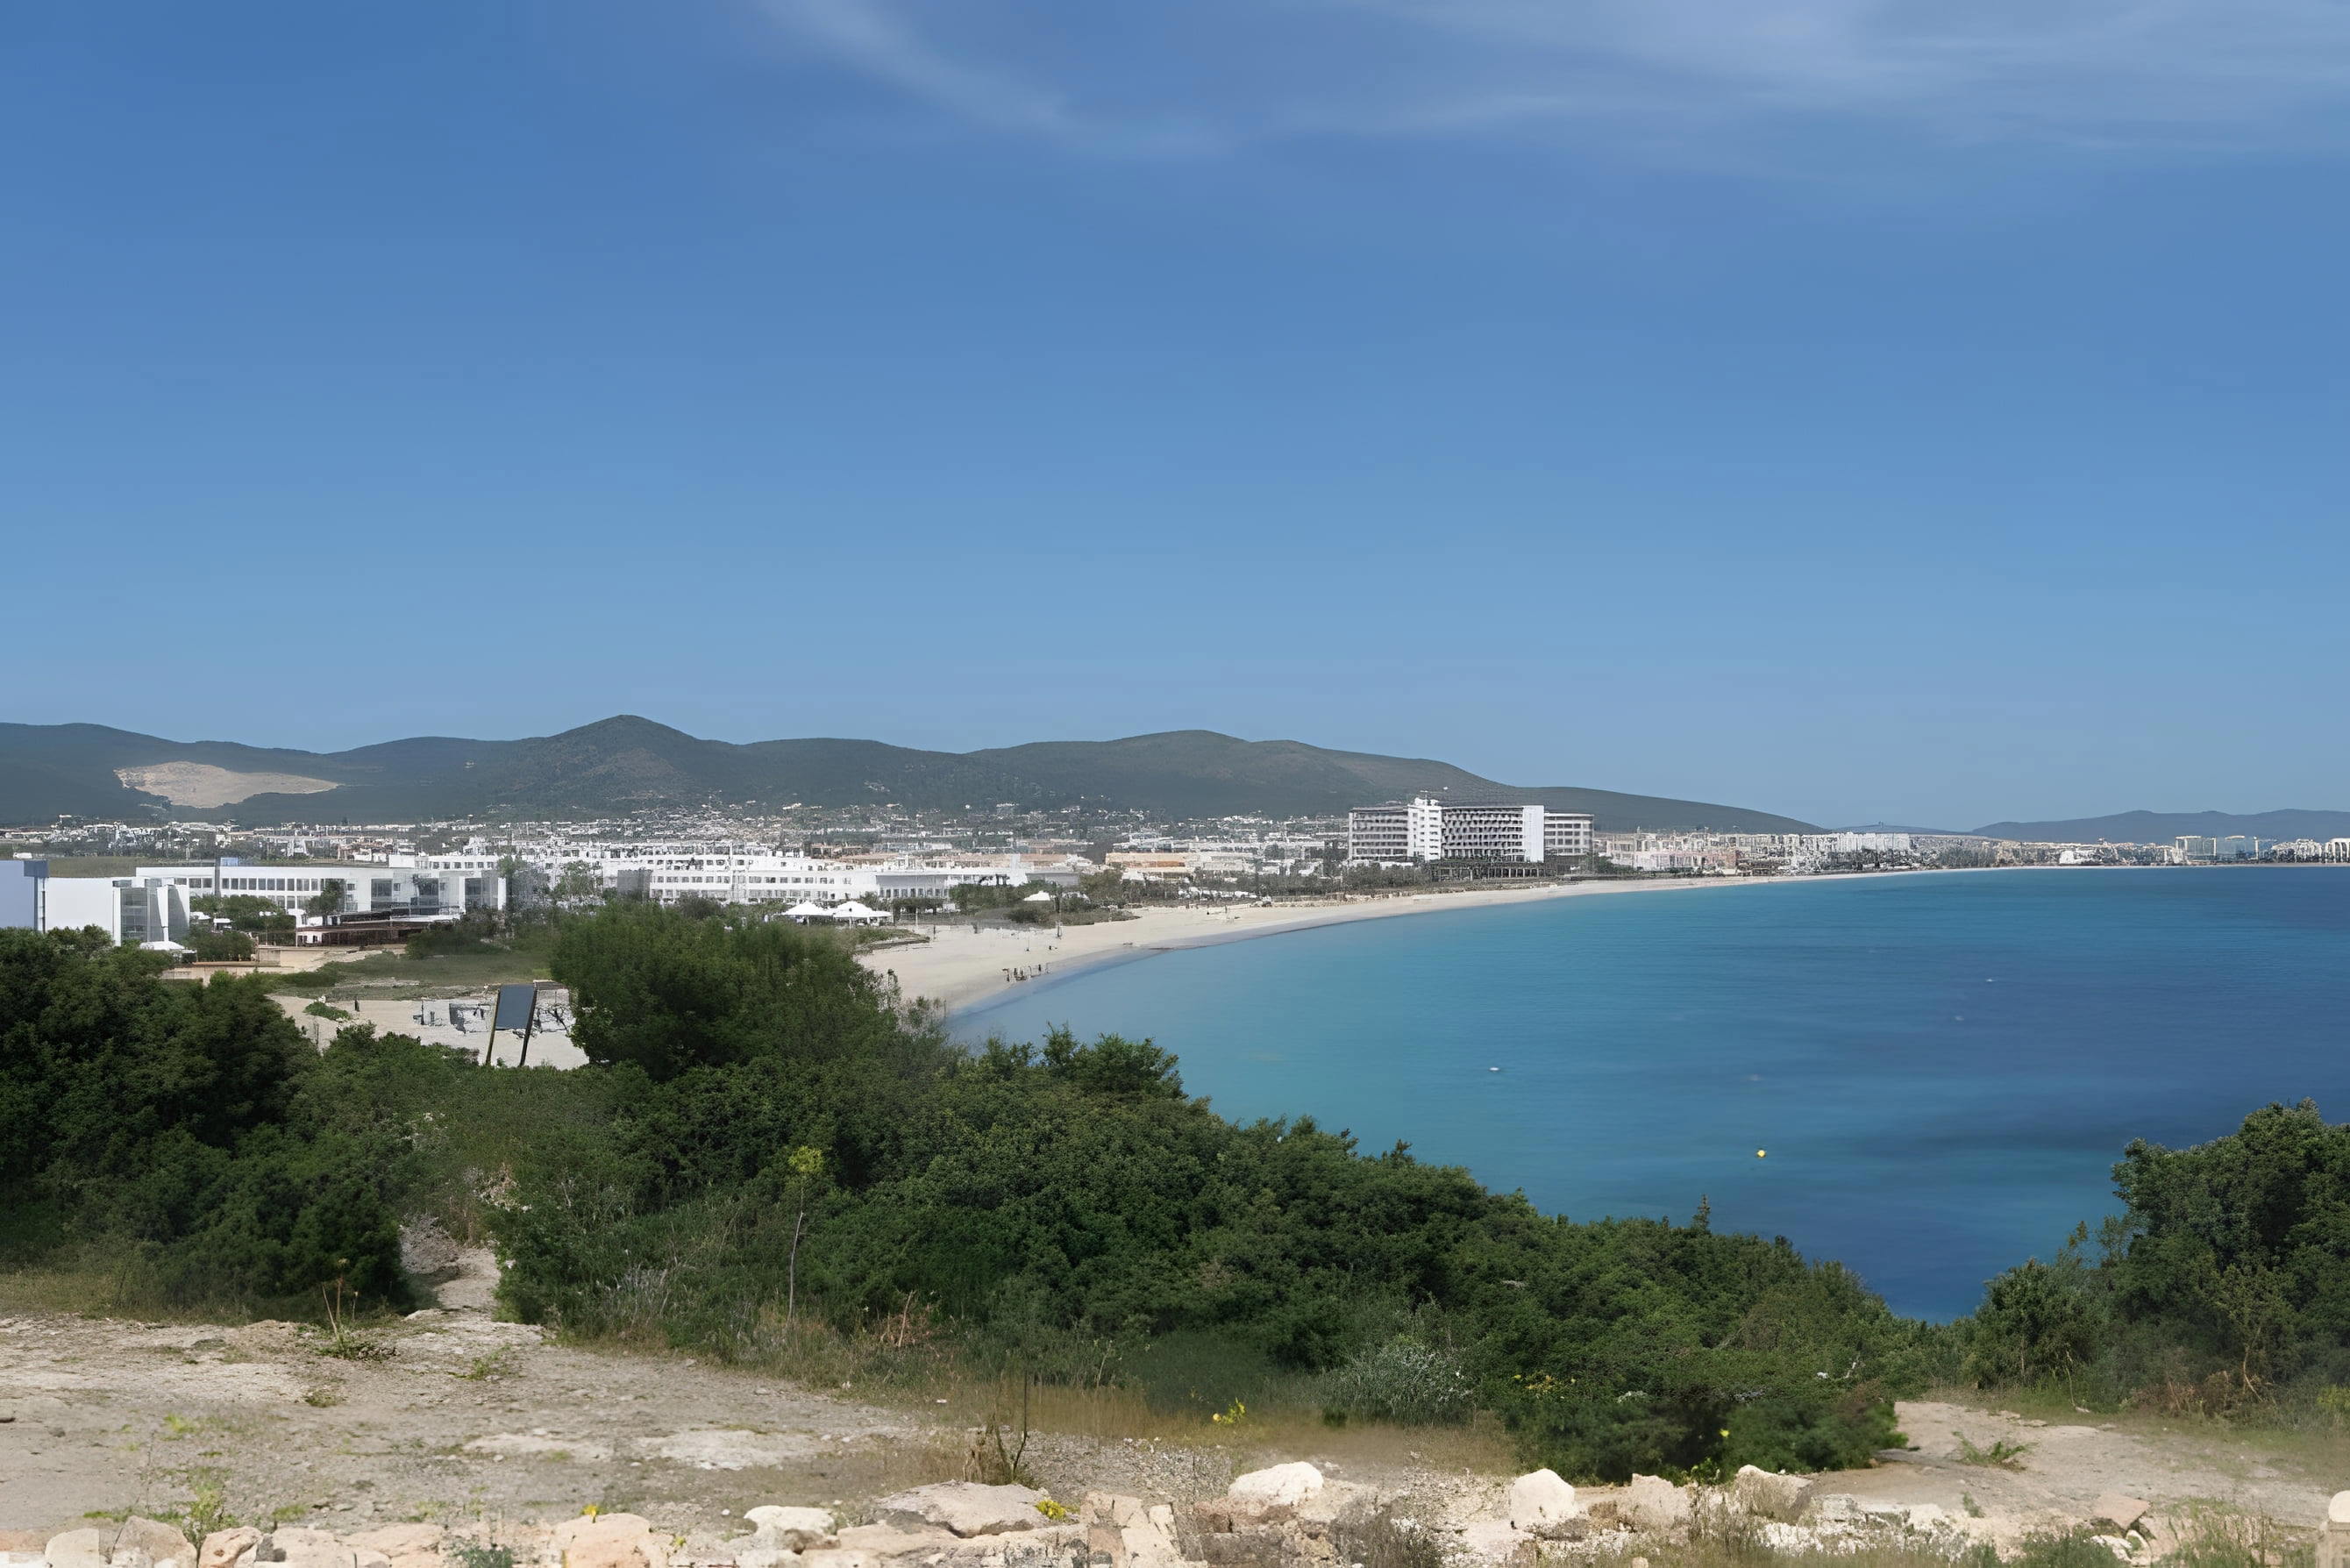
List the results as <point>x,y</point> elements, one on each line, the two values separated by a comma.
<point>1943,1069</point>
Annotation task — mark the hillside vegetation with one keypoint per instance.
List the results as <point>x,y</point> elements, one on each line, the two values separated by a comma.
<point>626,763</point>
<point>771,1161</point>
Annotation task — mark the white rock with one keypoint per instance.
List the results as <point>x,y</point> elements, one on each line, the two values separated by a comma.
<point>610,1541</point>
<point>1541,1504</point>
<point>793,1529</point>
<point>2122,1512</point>
<point>1652,1502</point>
<point>1925,1516</point>
<point>1341,1503</point>
<point>2338,1510</point>
<point>223,1547</point>
<point>966,1508</point>
<point>891,1544</point>
<point>1780,1537</point>
<point>1289,1484</point>
<point>76,1549</point>
<point>1769,1495</point>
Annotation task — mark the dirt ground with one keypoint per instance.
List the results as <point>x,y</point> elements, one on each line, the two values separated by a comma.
<point>471,1421</point>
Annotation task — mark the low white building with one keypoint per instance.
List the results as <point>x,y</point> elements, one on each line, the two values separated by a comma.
<point>414,890</point>
<point>135,910</point>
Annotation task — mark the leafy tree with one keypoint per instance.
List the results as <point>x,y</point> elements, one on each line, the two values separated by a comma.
<point>666,992</point>
<point>157,1117</point>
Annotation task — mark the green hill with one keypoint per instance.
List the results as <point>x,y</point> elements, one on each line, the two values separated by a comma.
<point>622,765</point>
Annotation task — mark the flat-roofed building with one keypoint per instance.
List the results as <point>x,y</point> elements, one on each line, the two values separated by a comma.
<point>366,888</point>
<point>1428,828</point>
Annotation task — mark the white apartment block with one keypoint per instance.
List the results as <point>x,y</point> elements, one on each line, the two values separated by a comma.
<point>767,879</point>
<point>413,889</point>
<point>1428,828</point>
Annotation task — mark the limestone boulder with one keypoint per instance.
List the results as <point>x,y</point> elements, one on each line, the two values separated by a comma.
<point>162,1542</point>
<point>405,1545</point>
<point>1543,1505</point>
<point>888,1543</point>
<point>1767,1494</point>
<point>136,1542</point>
<point>2121,1512</point>
<point>965,1508</point>
<point>1653,1503</point>
<point>610,1541</point>
<point>1127,1532</point>
<point>1341,1505</point>
<point>1282,1485</point>
<point>224,1548</point>
<point>302,1548</point>
<point>793,1529</point>
<point>78,1549</point>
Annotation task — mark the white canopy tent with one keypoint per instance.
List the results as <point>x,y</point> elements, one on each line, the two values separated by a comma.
<point>804,913</point>
<point>853,913</point>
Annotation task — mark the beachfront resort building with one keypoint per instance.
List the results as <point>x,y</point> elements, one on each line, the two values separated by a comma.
<point>1430,828</point>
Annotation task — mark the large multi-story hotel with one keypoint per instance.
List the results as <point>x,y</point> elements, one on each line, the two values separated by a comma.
<point>1427,828</point>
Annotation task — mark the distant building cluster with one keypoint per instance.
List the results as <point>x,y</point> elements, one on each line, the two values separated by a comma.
<point>2192,849</point>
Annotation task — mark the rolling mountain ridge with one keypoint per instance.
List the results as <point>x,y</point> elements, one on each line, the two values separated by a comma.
<point>627,764</point>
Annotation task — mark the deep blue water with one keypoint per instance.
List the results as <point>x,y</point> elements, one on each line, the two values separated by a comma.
<point>1943,1069</point>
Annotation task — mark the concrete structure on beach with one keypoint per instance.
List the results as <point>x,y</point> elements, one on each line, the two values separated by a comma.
<point>1430,828</point>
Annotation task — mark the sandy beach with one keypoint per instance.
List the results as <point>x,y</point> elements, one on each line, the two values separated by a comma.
<point>959,967</point>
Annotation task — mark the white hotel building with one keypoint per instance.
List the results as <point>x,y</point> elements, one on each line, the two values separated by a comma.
<point>757,878</point>
<point>1428,828</point>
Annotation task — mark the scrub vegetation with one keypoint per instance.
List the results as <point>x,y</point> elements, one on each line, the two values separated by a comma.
<point>770,1161</point>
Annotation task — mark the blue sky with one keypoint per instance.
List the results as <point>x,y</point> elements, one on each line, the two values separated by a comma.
<point>1860,409</point>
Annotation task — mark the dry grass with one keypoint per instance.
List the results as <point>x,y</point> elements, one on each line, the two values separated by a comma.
<point>1114,1413</point>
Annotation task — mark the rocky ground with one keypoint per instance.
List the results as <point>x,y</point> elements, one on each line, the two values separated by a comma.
<point>482,1425</point>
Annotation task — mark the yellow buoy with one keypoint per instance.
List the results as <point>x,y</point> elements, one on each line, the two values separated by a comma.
<point>1761,1152</point>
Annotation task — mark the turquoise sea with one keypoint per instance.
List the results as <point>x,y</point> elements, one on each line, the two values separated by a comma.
<point>1942,1068</point>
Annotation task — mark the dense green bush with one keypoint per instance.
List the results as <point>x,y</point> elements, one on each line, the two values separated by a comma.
<point>160,1116</point>
<point>2225,1282</point>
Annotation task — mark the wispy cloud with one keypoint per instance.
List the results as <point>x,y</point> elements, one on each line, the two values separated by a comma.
<point>2120,73</point>
<point>876,39</point>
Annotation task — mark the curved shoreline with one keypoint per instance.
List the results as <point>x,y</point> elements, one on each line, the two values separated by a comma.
<point>963,971</point>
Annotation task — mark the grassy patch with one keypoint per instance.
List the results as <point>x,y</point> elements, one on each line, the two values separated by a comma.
<point>2001,1454</point>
